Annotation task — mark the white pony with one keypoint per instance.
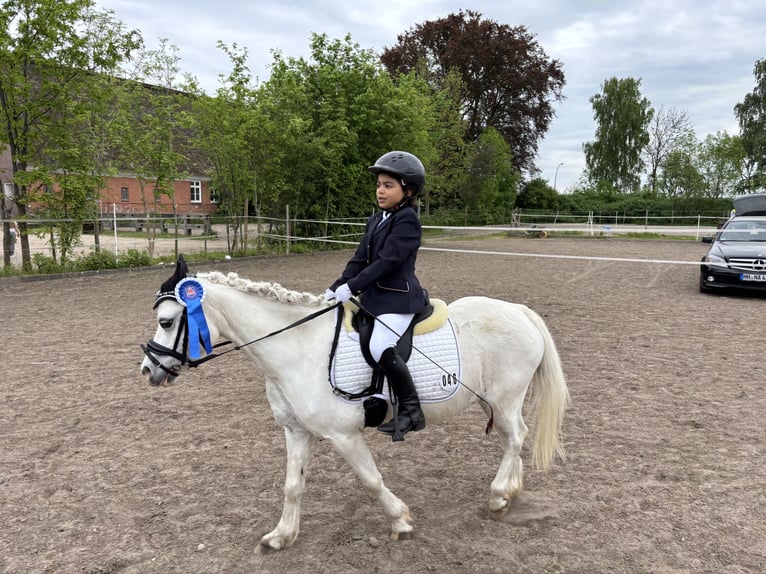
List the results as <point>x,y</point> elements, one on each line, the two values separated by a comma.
<point>506,346</point>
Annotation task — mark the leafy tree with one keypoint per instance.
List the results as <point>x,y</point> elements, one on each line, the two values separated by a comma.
<point>537,194</point>
<point>680,176</point>
<point>490,185</point>
<point>723,165</point>
<point>231,133</point>
<point>669,131</point>
<point>622,117</point>
<point>44,50</point>
<point>447,171</point>
<point>751,114</point>
<point>508,82</point>
<point>332,116</point>
<point>78,149</point>
<point>151,121</point>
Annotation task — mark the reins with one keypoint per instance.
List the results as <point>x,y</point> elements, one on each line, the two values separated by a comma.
<point>292,325</point>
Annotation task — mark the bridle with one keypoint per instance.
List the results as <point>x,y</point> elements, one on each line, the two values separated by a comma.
<point>153,349</point>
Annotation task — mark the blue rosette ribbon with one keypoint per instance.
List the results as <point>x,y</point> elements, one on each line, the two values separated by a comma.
<point>190,294</point>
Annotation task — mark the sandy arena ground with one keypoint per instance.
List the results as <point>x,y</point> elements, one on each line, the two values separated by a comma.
<point>101,474</point>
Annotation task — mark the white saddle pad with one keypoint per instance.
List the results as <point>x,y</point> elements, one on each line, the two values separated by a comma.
<point>434,365</point>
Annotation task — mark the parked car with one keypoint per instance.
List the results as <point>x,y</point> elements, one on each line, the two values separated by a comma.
<point>737,257</point>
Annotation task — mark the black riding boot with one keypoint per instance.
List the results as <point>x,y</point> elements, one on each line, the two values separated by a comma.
<point>407,416</point>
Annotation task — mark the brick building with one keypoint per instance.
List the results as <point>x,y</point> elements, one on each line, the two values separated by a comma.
<point>122,194</point>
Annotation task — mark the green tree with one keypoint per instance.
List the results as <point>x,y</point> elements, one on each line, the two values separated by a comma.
<point>613,161</point>
<point>231,132</point>
<point>490,186</point>
<point>79,146</point>
<point>680,176</point>
<point>669,131</point>
<point>332,117</point>
<point>537,194</point>
<point>508,82</point>
<point>751,114</point>
<point>723,165</point>
<point>152,116</point>
<point>44,51</point>
<point>448,170</point>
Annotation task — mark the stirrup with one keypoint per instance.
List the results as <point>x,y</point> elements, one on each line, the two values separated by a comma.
<point>406,424</point>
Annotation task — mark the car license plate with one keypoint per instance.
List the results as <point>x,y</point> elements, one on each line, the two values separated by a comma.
<point>752,277</point>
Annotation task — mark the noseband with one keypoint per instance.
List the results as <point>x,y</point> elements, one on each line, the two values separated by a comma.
<point>152,349</point>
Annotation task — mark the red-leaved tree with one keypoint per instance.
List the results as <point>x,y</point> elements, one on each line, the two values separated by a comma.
<point>509,83</point>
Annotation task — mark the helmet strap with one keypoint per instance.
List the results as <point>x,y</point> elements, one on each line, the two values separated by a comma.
<point>404,201</point>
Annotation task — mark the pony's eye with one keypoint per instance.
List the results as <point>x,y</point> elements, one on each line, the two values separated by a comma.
<point>166,323</point>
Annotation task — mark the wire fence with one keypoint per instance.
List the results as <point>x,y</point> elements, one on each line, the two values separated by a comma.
<point>163,235</point>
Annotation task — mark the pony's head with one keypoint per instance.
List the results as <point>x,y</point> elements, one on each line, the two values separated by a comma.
<point>168,350</point>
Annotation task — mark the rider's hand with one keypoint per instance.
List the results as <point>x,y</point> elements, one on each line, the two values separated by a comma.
<point>329,295</point>
<point>343,293</point>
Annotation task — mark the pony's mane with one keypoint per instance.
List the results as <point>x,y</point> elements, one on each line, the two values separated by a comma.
<point>263,289</point>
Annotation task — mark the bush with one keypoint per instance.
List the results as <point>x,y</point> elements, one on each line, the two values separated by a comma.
<point>135,258</point>
<point>46,265</point>
<point>102,259</point>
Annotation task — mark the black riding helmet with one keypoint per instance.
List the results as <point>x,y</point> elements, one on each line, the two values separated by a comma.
<point>403,165</point>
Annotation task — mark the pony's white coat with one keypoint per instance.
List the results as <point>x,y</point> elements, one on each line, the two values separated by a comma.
<point>505,347</point>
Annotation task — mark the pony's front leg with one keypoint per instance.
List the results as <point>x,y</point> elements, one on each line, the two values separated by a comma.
<point>355,451</point>
<point>298,442</point>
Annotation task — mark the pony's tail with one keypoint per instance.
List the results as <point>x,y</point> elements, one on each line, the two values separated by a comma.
<point>551,399</point>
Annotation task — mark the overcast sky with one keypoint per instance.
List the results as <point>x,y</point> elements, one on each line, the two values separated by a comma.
<point>693,55</point>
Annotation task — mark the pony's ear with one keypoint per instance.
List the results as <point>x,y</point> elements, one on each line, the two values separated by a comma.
<point>182,269</point>
<point>181,272</point>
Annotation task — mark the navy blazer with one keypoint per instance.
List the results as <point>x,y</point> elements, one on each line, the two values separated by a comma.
<point>383,267</point>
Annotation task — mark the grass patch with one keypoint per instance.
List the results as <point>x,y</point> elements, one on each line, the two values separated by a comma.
<point>663,236</point>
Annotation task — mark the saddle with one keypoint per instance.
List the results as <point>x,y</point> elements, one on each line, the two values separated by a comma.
<point>356,320</point>
<point>430,319</point>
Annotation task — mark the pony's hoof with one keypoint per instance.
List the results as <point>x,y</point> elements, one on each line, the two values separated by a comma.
<point>265,548</point>
<point>396,536</point>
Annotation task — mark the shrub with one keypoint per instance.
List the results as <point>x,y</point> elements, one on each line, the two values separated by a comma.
<point>102,259</point>
<point>134,258</point>
<point>45,264</point>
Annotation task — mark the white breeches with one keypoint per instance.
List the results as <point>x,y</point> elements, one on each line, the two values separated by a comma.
<point>387,330</point>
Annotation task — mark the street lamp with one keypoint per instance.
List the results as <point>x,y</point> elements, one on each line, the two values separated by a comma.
<point>556,175</point>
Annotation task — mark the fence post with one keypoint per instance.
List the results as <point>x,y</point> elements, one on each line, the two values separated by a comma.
<point>114,221</point>
<point>287,229</point>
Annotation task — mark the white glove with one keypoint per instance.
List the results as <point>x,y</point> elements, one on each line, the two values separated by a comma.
<point>329,295</point>
<point>343,293</point>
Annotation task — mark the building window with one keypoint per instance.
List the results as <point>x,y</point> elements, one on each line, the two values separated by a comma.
<point>124,193</point>
<point>9,190</point>
<point>214,196</point>
<point>195,191</point>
